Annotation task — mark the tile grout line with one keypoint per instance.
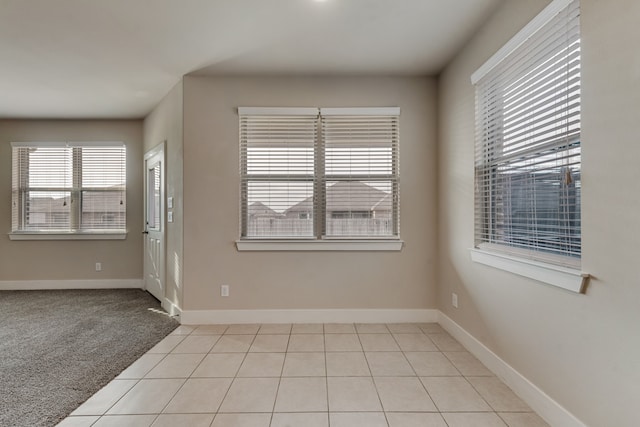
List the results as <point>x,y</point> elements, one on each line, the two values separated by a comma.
<point>190,375</point>
<point>236,374</point>
<point>481,396</point>
<point>326,377</point>
<point>137,380</point>
<point>416,373</point>
<point>441,351</point>
<point>275,398</point>
<point>183,383</point>
<point>375,386</point>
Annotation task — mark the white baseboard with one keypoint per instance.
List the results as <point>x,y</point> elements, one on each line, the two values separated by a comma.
<point>14,285</point>
<point>538,400</point>
<point>204,317</point>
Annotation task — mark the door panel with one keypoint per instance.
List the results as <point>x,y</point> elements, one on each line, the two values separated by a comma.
<point>154,251</point>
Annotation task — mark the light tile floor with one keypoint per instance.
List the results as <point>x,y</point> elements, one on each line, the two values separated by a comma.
<point>307,375</point>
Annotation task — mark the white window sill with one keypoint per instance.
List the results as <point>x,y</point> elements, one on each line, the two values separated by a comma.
<point>319,245</point>
<point>562,277</point>
<point>27,235</point>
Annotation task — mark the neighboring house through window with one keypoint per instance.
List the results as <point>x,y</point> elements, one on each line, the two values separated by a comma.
<point>528,161</point>
<point>68,188</point>
<point>319,173</point>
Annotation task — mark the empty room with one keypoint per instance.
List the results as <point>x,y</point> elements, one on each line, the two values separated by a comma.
<point>330,213</point>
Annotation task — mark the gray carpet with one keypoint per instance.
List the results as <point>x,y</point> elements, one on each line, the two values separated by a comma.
<point>57,348</point>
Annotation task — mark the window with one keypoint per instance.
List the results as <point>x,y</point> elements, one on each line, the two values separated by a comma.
<point>527,165</point>
<point>68,188</point>
<point>309,173</point>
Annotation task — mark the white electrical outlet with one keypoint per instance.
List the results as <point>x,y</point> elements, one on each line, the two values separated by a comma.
<point>454,299</point>
<point>169,216</point>
<point>98,266</point>
<point>224,290</point>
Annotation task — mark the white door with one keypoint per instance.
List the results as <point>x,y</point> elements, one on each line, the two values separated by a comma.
<point>154,252</point>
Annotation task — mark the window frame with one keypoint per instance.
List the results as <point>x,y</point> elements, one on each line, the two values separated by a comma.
<point>319,241</point>
<point>554,269</point>
<point>75,231</point>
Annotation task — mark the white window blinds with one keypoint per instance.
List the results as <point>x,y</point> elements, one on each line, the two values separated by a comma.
<point>360,180</point>
<point>69,187</point>
<point>277,167</point>
<point>319,173</point>
<point>528,144</point>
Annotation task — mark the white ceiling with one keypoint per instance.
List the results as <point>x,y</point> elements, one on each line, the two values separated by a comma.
<point>118,58</point>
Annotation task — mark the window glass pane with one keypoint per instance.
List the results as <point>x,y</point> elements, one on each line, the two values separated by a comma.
<point>103,210</point>
<point>103,175</point>
<point>359,208</point>
<point>47,210</point>
<point>157,196</point>
<point>279,209</point>
<point>537,203</point>
<point>154,205</point>
<point>48,170</point>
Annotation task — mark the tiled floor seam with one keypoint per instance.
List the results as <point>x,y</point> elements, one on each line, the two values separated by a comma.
<point>417,376</point>
<point>234,377</point>
<point>275,398</point>
<point>326,378</point>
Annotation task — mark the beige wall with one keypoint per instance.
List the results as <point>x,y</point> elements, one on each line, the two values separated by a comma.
<point>69,259</point>
<point>164,124</point>
<point>297,280</point>
<point>582,350</point>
